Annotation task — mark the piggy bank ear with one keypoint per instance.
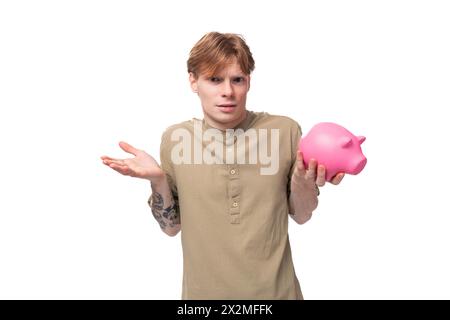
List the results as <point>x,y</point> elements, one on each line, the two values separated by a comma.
<point>345,142</point>
<point>361,139</point>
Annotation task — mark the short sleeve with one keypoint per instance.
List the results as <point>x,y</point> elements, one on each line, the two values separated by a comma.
<point>167,166</point>
<point>166,162</point>
<point>296,133</point>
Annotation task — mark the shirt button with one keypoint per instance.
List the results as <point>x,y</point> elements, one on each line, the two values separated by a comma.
<point>233,171</point>
<point>235,204</point>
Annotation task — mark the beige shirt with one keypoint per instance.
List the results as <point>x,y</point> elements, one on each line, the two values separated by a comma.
<point>234,219</point>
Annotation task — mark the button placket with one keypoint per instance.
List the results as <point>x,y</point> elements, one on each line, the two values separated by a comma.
<point>234,188</point>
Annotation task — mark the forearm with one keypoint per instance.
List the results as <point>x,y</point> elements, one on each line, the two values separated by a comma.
<point>164,207</point>
<point>302,203</point>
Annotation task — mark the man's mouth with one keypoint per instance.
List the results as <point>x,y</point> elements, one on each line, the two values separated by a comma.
<point>226,107</point>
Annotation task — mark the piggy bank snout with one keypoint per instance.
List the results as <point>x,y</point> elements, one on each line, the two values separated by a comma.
<point>361,163</point>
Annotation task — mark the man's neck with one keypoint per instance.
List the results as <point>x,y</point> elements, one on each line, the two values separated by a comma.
<point>224,127</point>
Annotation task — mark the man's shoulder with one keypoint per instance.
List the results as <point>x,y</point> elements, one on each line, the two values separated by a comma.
<point>280,121</point>
<point>186,125</point>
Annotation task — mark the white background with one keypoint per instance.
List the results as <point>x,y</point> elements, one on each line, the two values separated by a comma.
<point>77,77</point>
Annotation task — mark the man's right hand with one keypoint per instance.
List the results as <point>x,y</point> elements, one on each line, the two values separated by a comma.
<point>141,166</point>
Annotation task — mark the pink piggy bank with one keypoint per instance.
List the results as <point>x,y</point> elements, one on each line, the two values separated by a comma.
<point>334,147</point>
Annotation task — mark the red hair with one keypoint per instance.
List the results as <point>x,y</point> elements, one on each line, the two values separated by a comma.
<point>215,50</point>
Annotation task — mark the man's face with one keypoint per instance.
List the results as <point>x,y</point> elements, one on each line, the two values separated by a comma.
<point>223,96</point>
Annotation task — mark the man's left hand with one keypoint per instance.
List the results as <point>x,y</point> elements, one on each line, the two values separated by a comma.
<point>314,174</point>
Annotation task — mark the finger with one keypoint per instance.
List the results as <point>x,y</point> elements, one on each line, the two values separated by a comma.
<point>300,166</point>
<point>128,148</point>
<point>337,178</point>
<point>300,163</point>
<point>311,172</point>
<point>119,162</point>
<point>321,173</point>
<point>125,170</point>
<point>108,158</point>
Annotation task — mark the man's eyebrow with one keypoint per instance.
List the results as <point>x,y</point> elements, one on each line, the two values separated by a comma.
<point>239,75</point>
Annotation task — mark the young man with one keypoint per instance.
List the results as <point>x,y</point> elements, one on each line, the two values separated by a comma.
<point>229,182</point>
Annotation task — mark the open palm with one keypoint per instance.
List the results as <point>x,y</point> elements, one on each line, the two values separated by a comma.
<point>142,165</point>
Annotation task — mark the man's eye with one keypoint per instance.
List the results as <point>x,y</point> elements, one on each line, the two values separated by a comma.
<point>215,79</point>
<point>239,79</point>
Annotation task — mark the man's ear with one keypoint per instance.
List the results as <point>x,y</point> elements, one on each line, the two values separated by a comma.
<point>193,82</point>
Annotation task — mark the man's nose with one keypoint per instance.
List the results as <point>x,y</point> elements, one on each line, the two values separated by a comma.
<point>227,89</point>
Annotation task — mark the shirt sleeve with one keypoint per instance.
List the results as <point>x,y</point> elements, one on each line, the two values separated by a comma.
<point>167,166</point>
<point>166,162</point>
<point>296,133</point>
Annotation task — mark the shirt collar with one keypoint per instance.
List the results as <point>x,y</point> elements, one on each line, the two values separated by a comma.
<point>244,124</point>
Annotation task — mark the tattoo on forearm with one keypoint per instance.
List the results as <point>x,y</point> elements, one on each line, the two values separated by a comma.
<point>168,216</point>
